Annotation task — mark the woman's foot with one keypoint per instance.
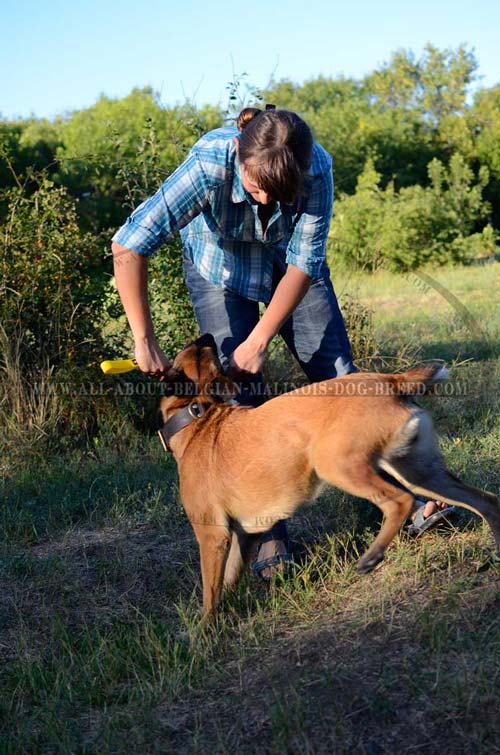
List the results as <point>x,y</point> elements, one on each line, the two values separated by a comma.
<point>271,557</point>
<point>273,551</point>
<point>426,514</point>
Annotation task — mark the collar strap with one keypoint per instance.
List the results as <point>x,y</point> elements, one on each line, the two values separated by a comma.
<point>181,419</point>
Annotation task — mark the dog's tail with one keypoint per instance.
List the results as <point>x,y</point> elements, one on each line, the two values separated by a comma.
<point>414,459</point>
<point>420,380</point>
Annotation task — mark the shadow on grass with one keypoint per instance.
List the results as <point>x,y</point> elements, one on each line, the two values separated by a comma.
<point>102,488</point>
<point>468,347</point>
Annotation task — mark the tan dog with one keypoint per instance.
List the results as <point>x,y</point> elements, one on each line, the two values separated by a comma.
<point>241,469</point>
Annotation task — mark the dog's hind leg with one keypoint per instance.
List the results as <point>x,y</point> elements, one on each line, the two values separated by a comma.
<point>395,504</point>
<point>437,482</point>
<point>214,541</point>
<point>416,462</point>
<point>360,478</point>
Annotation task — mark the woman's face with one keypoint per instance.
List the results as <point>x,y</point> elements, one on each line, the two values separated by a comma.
<point>260,196</point>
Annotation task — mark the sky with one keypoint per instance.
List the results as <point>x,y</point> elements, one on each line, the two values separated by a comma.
<point>57,56</point>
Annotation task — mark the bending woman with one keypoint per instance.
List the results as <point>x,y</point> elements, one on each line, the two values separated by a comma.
<point>253,205</point>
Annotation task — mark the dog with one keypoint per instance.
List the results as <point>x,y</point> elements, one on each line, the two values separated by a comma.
<point>241,468</point>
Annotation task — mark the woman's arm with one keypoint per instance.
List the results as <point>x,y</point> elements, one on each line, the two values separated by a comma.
<point>131,275</point>
<point>249,356</point>
<point>180,198</point>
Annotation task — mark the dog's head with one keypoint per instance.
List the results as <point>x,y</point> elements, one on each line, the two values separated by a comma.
<point>196,373</point>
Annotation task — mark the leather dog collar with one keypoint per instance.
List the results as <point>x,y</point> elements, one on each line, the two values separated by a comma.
<point>181,419</point>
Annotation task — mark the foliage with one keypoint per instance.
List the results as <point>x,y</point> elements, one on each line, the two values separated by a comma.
<point>169,301</point>
<point>434,86</point>
<point>417,181</point>
<point>26,146</point>
<point>50,285</point>
<point>121,150</point>
<point>403,114</point>
<point>383,227</point>
<point>50,292</point>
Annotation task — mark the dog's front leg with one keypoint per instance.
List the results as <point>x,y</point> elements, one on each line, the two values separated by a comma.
<point>214,541</point>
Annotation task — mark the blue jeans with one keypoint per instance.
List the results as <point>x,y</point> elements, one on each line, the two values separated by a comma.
<point>315,333</point>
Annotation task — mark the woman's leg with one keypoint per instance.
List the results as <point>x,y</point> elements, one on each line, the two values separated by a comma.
<point>316,333</point>
<point>230,318</point>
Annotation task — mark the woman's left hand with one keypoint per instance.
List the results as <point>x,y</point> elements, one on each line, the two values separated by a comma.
<point>247,359</point>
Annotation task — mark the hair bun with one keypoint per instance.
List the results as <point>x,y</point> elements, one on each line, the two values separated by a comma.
<point>246,116</point>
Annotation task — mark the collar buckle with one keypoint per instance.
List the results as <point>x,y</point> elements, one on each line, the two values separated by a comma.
<point>196,410</point>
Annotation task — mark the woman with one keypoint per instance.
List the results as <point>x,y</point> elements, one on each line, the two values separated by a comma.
<point>253,205</point>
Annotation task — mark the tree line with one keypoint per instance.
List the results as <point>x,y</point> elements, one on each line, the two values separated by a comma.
<point>416,147</point>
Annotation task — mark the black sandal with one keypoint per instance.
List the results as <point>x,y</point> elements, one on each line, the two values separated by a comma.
<point>421,523</point>
<point>258,566</point>
<point>279,533</point>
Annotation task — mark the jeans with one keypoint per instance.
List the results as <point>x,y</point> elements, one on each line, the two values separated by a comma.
<point>315,332</point>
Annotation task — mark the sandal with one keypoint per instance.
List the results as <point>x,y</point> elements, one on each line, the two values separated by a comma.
<point>277,533</point>
<point>422,523</point>
<point>280,558</point>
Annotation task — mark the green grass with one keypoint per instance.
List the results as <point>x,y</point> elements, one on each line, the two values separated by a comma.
<point>449,313</point>
<point>101,648</point>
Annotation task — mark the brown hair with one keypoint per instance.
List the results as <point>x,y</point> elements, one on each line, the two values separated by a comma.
<point>276,147</point>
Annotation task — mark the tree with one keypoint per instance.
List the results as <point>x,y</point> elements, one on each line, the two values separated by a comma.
<point>484,120</point>
<point>119,151</point>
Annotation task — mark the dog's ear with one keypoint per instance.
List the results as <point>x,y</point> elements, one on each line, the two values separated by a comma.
<point>207,340</point>
<point>213,383</point>
<point>200,364</point>
<point>176,383</point>
<point>169,381</point>
<point>208,364</point>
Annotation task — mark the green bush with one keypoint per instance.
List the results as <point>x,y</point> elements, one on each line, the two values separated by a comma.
<point>117,152</point>
<point>378,227</point>
<point>171,310</point>
<point>51,281</point>
<point>50,297</point>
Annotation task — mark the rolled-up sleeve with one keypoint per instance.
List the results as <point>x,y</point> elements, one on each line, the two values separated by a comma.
<point>307,247</point>
<point>178,200</point>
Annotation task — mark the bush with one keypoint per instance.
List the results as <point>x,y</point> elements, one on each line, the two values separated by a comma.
<point>51,281</point>
<point>401,230</point>
<point>171,309</point>
<point>117,152</point>
<point>50,297</point>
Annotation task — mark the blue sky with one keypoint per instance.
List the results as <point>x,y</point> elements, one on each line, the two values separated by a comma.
<point>60,55</point>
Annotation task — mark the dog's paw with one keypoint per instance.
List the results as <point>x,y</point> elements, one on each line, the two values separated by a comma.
<point>369,562</point>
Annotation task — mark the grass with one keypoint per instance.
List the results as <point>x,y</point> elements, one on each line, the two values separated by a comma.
<point>101,649</point>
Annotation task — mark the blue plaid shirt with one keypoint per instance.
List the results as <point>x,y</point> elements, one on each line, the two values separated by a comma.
<point>205,200</point>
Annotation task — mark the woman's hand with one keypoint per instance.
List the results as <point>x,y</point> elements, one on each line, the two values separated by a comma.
<point>151,359</point>
<point>246,360</point>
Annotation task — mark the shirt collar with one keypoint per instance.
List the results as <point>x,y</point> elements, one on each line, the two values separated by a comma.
<point>238,193</point>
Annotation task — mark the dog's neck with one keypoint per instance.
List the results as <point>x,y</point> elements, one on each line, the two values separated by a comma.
<point>180,418</point>
<point>173,436</point>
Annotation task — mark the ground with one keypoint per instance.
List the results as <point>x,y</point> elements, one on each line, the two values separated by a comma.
<point>101,649</point>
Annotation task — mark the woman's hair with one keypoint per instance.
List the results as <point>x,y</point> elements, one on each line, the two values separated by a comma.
<point>276,147</point>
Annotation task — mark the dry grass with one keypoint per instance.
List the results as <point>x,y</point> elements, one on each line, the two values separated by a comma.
<point>30,410</point>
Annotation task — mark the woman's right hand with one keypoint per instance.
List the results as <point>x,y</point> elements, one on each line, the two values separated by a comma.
<point>151,359</point>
